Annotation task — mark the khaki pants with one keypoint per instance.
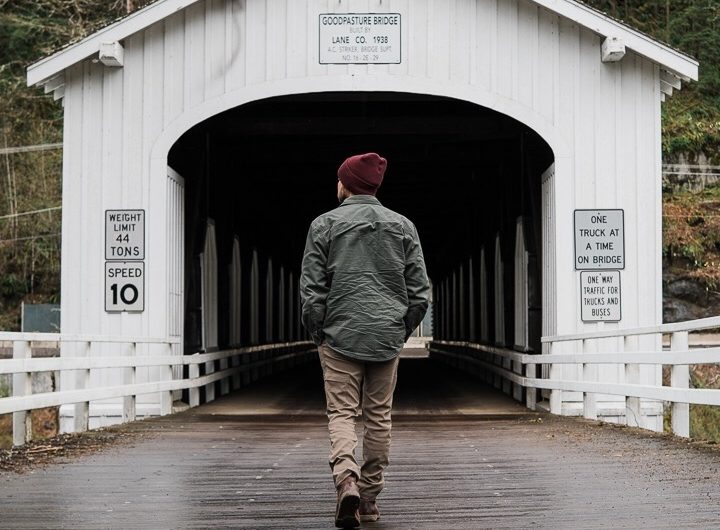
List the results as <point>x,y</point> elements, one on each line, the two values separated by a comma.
<point>346,380</point>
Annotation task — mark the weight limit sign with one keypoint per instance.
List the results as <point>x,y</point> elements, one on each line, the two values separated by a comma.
<point>124,286</point>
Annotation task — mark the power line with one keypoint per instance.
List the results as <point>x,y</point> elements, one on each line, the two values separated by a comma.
<point>697,166</point>
<point>688,174</point>
<point>13,215</point>
<point>691,215</point>
<point>29,148</point>
<point>28,238</point>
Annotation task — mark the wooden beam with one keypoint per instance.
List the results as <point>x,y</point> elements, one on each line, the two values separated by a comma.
<point>677,62</point>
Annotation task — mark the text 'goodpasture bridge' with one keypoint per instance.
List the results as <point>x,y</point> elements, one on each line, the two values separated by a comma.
<point>523,138</point>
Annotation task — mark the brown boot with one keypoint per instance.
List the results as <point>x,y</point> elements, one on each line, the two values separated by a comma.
<point>346,513</point>
<point>368,509</point>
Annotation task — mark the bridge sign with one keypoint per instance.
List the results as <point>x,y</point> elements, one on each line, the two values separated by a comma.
<point>599,239</point>
<point>360,38</point>
<point>125,234</point>
<point>600,299</point>
<point>124,286</point>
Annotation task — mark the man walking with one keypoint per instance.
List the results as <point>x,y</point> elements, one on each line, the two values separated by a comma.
<point>364,289</point>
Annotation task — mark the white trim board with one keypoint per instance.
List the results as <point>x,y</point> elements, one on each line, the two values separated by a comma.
<point>133,23</point>
<point>676,62</point>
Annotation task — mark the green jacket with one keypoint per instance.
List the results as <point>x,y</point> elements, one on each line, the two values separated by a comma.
<point>363,284</point>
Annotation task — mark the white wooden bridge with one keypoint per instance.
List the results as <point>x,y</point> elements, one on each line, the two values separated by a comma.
<point>220,125</point>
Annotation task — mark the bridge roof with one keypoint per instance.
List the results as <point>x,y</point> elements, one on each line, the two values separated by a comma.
<point>671,60</point>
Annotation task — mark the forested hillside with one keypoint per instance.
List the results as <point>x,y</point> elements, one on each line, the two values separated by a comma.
<point>691,118</point>
<point>31,181</point>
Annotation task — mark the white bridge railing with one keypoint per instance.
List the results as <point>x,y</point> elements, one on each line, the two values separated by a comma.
<point>587,351</point>
<point>237,367</point>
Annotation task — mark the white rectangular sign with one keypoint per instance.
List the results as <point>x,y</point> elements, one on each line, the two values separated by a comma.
<point>125,234</point>
<point>600,296</point>
<point>599,239</point>
<point>360,38</point>
<point>124,286</point>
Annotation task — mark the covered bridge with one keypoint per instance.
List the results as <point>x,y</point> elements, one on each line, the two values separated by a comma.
<point>202,137</point>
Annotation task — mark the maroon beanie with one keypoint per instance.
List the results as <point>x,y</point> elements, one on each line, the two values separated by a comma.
<point>362,174</point>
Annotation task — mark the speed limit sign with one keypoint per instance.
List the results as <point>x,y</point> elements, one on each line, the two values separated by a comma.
<point>124,286</point>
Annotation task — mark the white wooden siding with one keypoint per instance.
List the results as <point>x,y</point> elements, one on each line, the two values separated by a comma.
<point>601,120</point>
<point>269,301</point>
<point>549,294</point>
<point>281,312</point>
<point>291,308</point>
<point>499,297</point>
<point>176,252</point>
<point>521,306</point>
<point>235,294</point>
<point>176,265</point>
<point>209,289</point>
<point>472,314</point>
<point>484,304</point>
<point>254,299</point>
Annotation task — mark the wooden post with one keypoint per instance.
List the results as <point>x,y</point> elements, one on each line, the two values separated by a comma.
<point>633,412</point>
<point>281,305</point>
<point>680,378</point>
<point>462,316</point>
<point>22,386</point>
<point>82,378</point>
<point>166,374</point>
<point>472,330</point>
<point>446,310</point>
<point>489,376</point>
<point>531,392</point>
<point>507,385</point>
<point>555,374</point>
<point>210,387</point>
<point>236,377</point>
<point>225,381</point>
<point>254,372</point>
<point>266,366</point>
<point>129,378</point>
<point>589,373</point>
<point>517,389</point>
<point>246,375</point>
<point>194,391</point>
<point>290,314</point>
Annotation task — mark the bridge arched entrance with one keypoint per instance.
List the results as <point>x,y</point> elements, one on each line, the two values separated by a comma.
<point>254,177</point>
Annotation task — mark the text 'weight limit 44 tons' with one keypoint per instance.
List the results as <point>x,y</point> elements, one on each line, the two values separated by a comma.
<point>124,235</point>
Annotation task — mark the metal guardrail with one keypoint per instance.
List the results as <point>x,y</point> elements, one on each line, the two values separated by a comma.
<point>237,366</point>
<point>588,350</point>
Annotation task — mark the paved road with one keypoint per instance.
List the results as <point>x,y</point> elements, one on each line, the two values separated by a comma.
<point>202,469</point>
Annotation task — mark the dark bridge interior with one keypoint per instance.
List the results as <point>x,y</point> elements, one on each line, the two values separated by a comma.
<point>263,171</point>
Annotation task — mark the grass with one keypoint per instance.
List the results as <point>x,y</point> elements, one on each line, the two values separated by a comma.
<point>5,420</point>
<point>704,419</point>
<point>5,431</point>
<point>705,423</point>
<point>44,425</point>
<point>44,421</point>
